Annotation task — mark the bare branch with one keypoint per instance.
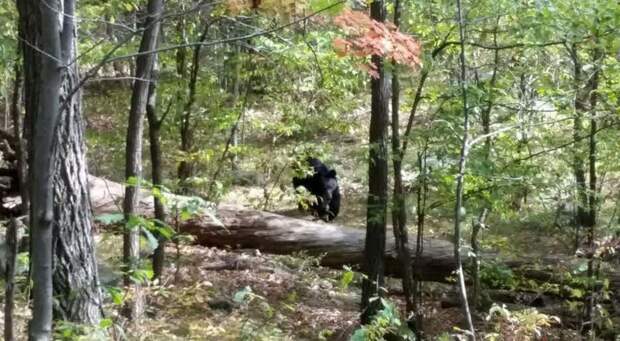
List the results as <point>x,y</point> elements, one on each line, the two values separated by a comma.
<point>509,46</point>
<point>60,62</point>
<point>418,95</point>
<point>548,150</point>
<point>120,78</point>
<point>501,130</point>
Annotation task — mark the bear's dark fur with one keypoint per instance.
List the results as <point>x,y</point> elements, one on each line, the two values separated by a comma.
<point>323,183</point>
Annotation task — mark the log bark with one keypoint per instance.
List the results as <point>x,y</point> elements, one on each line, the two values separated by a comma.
<point>273,233</point>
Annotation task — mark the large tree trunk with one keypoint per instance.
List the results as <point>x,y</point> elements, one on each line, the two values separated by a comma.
<point>58,173</point>
<point>374,250</point>
<point>597,56</point>
<point>133,165</point>
<point>39,24</point>
<point>76,284</point>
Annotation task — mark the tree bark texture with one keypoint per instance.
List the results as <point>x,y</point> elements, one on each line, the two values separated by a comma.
<point>592,86</point>
<point>133,156</point>
<point>374,250</point>
<point>338,245</point>
<point>581,98</point>
<point>76,284</point>
<point>57,138</point>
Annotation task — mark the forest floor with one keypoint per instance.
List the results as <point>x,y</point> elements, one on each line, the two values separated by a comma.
<point>216,294</point>
<point>219,294</point>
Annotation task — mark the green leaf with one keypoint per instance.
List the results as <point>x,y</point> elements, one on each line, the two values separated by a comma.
<point>157,193</point>
<point>132,181</point>
<point>576,293</point>
<point>347,278</point>
<point>163,229</point>
<point>318,5</point>
<point>359,335</point>
<point>110,218</point>
<point>116,294</point>
<point>105,323</point>
<point>141,275</point>
<point>135,222</point>
<point>152,240</point>
<point>241,295</point>
<point>185,215</point>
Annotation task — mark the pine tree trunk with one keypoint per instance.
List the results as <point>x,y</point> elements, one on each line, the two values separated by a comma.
<point>131,240</point>
<point>374,250</point>
<point>76,284</point>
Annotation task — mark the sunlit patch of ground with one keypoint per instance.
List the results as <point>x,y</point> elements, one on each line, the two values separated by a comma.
<point>289,298</point>
<point>231,295</point>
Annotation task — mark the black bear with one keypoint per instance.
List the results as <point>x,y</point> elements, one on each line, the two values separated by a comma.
<point>324,185</point>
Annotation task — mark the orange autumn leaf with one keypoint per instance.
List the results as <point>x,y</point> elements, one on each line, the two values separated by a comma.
<point>365,37</point>
<point>341,46</point>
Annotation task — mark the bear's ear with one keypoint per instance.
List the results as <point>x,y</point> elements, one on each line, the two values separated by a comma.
<point>332,173</point>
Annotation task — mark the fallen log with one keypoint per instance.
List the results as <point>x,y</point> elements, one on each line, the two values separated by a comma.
<point>337,245</point>
<point>239,227</point>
